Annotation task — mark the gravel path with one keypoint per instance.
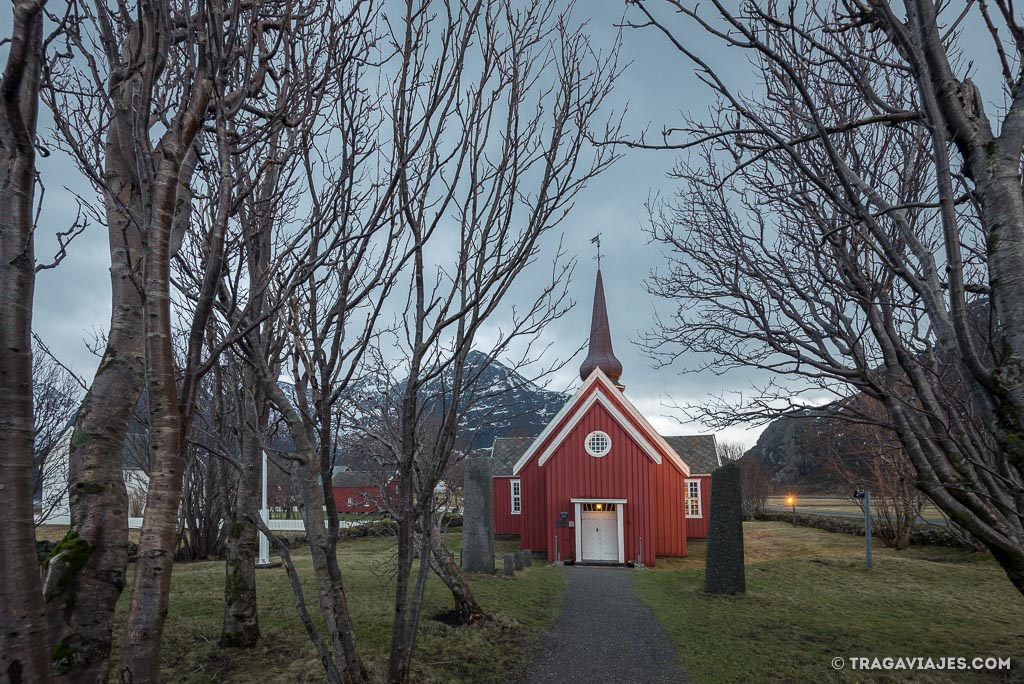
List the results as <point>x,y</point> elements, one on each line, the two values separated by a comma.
<point>604,633</point>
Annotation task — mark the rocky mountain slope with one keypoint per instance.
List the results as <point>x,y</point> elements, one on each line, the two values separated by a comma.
<point>792,451</point>
<point>505,404</point>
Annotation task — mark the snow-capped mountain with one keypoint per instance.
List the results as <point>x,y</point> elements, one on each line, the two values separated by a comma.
<point>503,403</point>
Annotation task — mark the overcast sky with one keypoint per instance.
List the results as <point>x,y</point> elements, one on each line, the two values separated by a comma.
<point>72,301</point>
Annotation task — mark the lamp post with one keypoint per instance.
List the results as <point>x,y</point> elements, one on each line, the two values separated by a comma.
<point>791,501</point>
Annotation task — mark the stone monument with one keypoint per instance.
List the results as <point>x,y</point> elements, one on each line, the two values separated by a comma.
<point>724,573</point>
<point>478,517</point>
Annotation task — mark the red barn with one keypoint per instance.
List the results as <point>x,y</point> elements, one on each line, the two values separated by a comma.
<point>359,492</point>
<point>599,484</point>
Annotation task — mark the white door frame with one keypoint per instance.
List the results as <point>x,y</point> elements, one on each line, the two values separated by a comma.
<point>619,503</point>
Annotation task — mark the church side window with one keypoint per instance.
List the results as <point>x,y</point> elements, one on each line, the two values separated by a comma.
<point>517,498</point>
<point>693,499</point>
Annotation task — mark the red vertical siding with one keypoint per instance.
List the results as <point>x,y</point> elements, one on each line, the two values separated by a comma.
<point>670,524</point>
<point>364,499</point>
<point>534,518</point>
<point>697,528</point>
<point>625,473</point>
<point>655,493</point>
<point>504,521</point>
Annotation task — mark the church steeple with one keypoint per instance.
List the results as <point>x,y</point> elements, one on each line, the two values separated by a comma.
<point>601,354</point>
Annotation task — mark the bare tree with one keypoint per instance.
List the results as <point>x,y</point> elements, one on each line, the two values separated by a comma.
<point>865,453</point>
<point>376,432</point>
<point>729,451</point>
<point>104,134</point>
<point>755,484</point>
<point>266,265</point>
<point>856,225</point>
<point>755,487</point>
<point>340,265</point>
<point>509,99</point>
<point>172,85</point>
<point>23,646</point>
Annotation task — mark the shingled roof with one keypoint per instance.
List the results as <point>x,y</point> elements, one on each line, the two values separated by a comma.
<point>506,451</point>
<point>698,451</point>
<point>355,478</point>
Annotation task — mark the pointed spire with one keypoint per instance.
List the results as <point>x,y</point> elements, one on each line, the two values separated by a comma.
<point>601,354</point>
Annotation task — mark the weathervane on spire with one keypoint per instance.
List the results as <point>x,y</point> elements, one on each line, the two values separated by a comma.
<point>596,240</point>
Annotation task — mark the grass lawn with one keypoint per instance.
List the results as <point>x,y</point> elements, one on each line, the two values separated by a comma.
<point>525,605</point>
<point>809,598</point>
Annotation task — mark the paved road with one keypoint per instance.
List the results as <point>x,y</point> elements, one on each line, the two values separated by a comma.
<point>845,514</point>
<point>604,633</point>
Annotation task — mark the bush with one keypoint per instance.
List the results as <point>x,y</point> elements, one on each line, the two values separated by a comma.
<point>921,534</point>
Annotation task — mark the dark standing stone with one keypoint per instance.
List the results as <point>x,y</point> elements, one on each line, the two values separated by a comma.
<point>478,517</point>
<point>510,565</point>
<point>517,558</point>
<point>724,572</point>
<point>527,557</point>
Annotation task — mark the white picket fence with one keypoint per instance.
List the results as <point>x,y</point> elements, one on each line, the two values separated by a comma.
<point>275,524</point>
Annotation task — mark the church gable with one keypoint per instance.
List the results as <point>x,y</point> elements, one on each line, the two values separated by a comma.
<point>598,391</point>
<point>599,441</point>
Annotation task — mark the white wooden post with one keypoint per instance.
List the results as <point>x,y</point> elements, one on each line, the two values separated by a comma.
<point>264,559</point>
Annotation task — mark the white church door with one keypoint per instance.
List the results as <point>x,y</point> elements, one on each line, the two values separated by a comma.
<point>600,532</point>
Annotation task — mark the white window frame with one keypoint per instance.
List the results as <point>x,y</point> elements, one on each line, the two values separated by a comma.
<point>591,451</point>
<point>516,490</point>
<point>686,503</point>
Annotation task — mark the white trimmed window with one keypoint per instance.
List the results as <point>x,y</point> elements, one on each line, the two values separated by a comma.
<point>598,444</point>
<point>693,498</point>
<point>517,497</point>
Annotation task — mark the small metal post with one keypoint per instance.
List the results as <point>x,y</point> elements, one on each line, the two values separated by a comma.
<point>558,553</point>
<point>640,553</point>
<point>794,512</point>
<point>264,560</point>
<point>867,527</point>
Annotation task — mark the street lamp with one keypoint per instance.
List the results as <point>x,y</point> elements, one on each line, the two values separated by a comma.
<point>791,501</point>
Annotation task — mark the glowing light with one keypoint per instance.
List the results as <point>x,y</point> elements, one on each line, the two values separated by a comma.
<point>790,501</point>
<point>598,506</point>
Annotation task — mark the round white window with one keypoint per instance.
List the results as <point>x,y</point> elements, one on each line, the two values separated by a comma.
<point>598,443</point>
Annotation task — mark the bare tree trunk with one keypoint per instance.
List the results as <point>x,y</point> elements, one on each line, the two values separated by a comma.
<point>24,654</point>
<point>401,640</point>
<point>241,628</point>
<point>81,598</point>
<point>140,653</point>
<point>443,563</point>
<point>330,587</point>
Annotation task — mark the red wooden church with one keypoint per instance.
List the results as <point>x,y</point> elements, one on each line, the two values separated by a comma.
<point>599,484</point>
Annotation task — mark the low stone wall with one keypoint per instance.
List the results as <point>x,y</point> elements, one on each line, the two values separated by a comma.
<point>922,534</point>
<point>44,549</point>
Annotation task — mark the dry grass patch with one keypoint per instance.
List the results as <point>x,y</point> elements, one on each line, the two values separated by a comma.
<point>809,598</point>
<point>495,651</point>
